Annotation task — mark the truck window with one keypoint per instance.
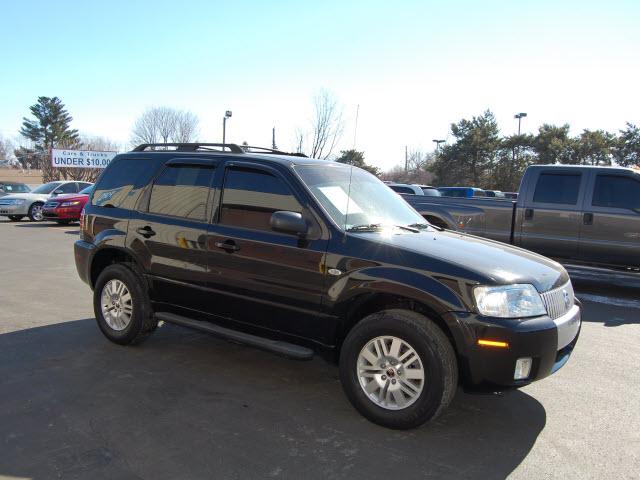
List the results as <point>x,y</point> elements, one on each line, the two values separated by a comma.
<point>562,188</point>
<point>182,191</point>
<point>401,189</point>
<point>616,192</point>
<point>251,196</point>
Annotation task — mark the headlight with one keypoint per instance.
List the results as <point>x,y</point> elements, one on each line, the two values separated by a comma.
<point>69,204</point>
<point>509,301</point>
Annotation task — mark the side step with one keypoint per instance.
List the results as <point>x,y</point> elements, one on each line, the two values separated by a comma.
<point>286,349</point>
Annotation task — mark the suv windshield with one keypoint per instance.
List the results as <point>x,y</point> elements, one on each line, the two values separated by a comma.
<point>366,204</point>
<point>46,188</point>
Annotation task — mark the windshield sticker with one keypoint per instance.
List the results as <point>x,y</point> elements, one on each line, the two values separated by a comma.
<point>339,198</point>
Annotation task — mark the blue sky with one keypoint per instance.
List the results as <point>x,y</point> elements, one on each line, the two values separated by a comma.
<point>413,67</point>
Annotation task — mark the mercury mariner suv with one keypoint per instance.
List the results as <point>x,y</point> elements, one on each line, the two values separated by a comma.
<point>300,256</point>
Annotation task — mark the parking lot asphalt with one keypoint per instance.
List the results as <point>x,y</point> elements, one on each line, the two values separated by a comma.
<point>188,405</point>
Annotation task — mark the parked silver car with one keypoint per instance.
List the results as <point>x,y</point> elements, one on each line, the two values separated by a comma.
<point>18,205</point>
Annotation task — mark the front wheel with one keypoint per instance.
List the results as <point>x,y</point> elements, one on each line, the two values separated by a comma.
<point>398,369</point>
<point>35,212</point>
<point>121,305</point>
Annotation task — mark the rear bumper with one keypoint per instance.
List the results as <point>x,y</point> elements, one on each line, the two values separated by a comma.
<point>83,252</point>
<point>549,343</point>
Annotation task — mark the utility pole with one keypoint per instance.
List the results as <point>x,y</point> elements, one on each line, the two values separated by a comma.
<point>227,114</point>
<point>437,142</point>
<point>273,138</point>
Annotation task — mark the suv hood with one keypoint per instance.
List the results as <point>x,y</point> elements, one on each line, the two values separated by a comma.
<point>26,196</point>
<point>474,259</point>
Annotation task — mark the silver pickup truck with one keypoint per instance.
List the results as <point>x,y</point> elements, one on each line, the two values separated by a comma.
<point>576,214</point>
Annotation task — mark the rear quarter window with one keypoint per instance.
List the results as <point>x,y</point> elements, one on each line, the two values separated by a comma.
<point>616,192</point>
<point>121,182</point>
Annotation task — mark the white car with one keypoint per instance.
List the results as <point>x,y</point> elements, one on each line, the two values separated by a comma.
<point>19,205</point>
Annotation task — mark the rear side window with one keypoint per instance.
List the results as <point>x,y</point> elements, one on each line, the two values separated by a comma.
<point>67,188</point>
<point>120,184</point>
<point>616,192</point>
<point>400,189</point>
<point>251,196</point>
<point>561,188</point>
<point>182,191</point>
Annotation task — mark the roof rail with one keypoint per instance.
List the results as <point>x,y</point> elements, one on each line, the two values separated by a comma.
<point>190,147</point>
<point>252,149</point>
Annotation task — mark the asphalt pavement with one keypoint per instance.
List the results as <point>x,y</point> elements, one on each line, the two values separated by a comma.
<point>186,405</point>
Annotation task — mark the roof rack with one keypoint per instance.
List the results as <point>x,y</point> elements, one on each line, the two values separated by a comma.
<point>190,147</point>
<point>271,151</point>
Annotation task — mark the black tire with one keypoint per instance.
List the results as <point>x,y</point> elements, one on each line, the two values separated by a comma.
<point>33,212</point>
<point>142,322</point>
<point>15,218</point>
<point>436,354</point>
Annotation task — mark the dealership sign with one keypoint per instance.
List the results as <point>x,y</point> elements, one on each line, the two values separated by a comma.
<point>62,158</point>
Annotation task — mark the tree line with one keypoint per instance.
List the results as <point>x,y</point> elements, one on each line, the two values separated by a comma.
<point>480,157</point>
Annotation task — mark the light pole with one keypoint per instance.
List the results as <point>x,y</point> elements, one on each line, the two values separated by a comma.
<point>437,142</point>
<point>227,114</point>
<point>519,116</point>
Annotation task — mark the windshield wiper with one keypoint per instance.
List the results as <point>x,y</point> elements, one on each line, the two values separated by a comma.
<point>425,225</point>
<point>370,227</point>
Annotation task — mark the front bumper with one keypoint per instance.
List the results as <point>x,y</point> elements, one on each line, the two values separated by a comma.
<point>549,343</point>
<point>6,210</point>
<point>62,213</point>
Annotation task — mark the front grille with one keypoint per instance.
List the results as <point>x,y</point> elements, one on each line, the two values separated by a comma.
<point>50,205</point>
<point>559,300</point>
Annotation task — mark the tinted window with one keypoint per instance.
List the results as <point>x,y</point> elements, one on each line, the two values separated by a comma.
<point>251,196</point>
<point>557,188</point>
<point>67,188</point>
<point>399,189</point>
<point>46,188</point>
<point>181,191</point>
<point>120,183</point>
<point>86,191</point>
<point>616,192</point>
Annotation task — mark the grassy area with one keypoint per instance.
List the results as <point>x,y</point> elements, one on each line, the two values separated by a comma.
<point>14,175</point>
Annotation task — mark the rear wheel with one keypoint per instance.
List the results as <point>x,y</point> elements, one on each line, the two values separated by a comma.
<point>35,212</point>
<point>15,218</point>
<point>121,305</point>
<point>398,369</point>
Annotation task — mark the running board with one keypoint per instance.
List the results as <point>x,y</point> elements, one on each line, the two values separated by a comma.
<point>286,349</point>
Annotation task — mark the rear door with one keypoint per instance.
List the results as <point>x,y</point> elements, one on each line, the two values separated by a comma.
<point>168,232</point>
<point>270,280</point>
<point>552,213</point>
<point>610,231</point>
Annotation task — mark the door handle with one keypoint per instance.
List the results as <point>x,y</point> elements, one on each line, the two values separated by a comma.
<point>528,213</point>
<point>146,231</point>
<point>228,245</point>
<point>587,219</point>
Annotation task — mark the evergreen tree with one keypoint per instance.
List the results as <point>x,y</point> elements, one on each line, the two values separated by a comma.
<point>356,158</point>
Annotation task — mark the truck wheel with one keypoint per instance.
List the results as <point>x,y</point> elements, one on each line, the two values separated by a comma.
<point>15,218</point>
<point>35,212</point>
<point>121,305</point>
<point>398,369</point>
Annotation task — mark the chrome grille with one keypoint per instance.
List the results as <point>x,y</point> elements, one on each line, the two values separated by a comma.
<point>559,300</point>
<point>50,205</point>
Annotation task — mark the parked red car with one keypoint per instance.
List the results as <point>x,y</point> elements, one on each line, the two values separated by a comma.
<point>66,208</point>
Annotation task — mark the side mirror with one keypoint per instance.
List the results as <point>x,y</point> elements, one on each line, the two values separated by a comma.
<point>289,222</point>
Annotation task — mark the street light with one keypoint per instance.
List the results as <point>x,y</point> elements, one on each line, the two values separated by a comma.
<point>227,114</point>
<point>519,116</point>
<point>437,142</point>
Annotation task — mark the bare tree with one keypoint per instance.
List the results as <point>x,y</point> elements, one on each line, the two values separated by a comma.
<point>327,124</point>
<point>164,125</point>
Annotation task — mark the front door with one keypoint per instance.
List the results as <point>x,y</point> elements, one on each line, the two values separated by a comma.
<point>610,231</point>
<point>169,233</point>
<point>271,280</point>
<point>552,213</point>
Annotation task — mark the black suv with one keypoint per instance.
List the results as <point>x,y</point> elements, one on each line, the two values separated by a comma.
<point>296,256</point>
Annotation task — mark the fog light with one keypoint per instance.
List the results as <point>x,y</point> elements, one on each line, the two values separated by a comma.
<point>523,368</point>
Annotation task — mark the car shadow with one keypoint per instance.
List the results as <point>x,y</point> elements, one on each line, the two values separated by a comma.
<point>43,224</point>
<point>187,405</point>
<point>611,307</point>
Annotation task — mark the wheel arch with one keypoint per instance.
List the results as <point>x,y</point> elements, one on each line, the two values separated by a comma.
<point>106,256</point>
